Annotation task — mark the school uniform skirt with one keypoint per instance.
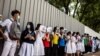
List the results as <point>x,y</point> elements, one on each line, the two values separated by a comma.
<point>80,47</point>
<point>26,49</point>
<point>70,48</point>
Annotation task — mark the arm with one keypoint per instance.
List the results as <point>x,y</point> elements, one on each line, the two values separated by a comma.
<point>12,33</point>
<point>5,22</point>
<point>33,36</point>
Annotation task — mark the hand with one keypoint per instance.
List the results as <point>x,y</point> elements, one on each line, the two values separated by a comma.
<point>32,38</point>
<point>48,39</point>
<point>43,38</point>
<point>5,37</point>
<point>18,43</point>
<point>27,36</point>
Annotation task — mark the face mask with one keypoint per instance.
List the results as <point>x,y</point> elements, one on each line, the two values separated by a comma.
<point>62,30</point>
<point>18,17</point>
<point>28,26</point>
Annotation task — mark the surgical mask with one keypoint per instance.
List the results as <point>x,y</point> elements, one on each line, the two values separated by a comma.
<point>18,17</point>
<point>28,26</point>
<point>62,31</point>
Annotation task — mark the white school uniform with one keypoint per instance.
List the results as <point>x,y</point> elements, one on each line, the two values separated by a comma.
<point>9,45</point>
<point>71,45</point>
<point>26,49</point>
<point>38,45</point>
<point>93,45</point>
<point>99,45</point>
<point>0,21</point>
<point>80,44</point>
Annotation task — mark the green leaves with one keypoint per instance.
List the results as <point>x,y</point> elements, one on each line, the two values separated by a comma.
<point>86,11</point>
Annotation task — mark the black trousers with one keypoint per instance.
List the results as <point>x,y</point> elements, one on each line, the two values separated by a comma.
<point>88,48</point>
<point>1,45</point>
<point>47,51</point>
<point>55,50</point>
<point>61,51</point>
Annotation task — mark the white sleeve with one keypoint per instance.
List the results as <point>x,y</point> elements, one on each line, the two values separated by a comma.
<point>4,23</point>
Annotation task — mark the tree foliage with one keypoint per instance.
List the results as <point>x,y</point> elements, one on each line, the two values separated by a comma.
<point>86,11</point>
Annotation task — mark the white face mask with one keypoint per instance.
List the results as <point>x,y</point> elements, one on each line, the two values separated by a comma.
<point>18,17</point>
<point>28,26</point>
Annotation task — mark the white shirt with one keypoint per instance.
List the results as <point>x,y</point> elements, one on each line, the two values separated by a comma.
<point>0,21</point>
<point>7,23</point>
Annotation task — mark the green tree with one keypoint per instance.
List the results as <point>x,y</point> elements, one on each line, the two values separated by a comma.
<point>86,11</point>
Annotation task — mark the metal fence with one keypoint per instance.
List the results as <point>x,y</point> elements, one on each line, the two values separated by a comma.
<point>39,11</point>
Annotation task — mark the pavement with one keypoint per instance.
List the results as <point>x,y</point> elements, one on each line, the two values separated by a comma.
<point>93,54</point>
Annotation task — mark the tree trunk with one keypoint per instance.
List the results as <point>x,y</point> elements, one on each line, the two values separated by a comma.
<point>81,17</point>
<point>75,8</point>
<point>66,6</point>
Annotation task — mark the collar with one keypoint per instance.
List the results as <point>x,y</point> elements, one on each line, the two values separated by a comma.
<point>12,19</point>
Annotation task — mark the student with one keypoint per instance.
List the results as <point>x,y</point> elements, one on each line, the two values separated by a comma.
<point>90,44</point>
<point>73,39</point>
<point>93,44</point>
<point>27,40</point>
<point>51,38</point>
<point>38,45</point>
<point>2,38</point>
<point>99,44</point>
<point>11,42</point>
<point>68,46</point>
<point>55,41</point>
<point>46,41</point>
<point>61,42</point>
<point>80,44</point>
<point>85,38</point>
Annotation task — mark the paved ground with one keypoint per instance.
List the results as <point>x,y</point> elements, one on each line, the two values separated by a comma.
<point>93,54</point>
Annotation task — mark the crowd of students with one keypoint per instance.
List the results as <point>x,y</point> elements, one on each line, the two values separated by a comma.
<point>42,40</point>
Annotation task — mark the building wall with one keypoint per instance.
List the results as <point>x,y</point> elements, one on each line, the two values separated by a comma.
<point>39,11</point>
<point>91,32</point>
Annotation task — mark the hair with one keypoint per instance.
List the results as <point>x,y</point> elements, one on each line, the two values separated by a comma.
<point>31,26</point>
<point>61,28</point>
<point>77,33</point>
<point>38,26</point>
<point>69,33</point>
<point>15,12</point>
<point>73,33</point>
<point>54,29</point>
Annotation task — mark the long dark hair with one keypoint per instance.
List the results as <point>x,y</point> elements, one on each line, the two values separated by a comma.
<point>55,29</point>
<point>31,26</point>
<point>73,33</point>
<point>69,33</point>
<point>38,26</point>
<point>77,33</point>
